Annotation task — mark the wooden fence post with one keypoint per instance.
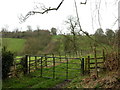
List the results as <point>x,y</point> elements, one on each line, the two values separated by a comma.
<point>82,66</point>
<point>60,56</point>
<point>89,65</point>
<point>26,65</point>
<point>29,63</point>
<point>53,66</point>
<point>46,60</point>
<point>41,68</point>
<point>104,60</point>
<point>86,65</point>
<point>35,62</point>
<point>95,62</point>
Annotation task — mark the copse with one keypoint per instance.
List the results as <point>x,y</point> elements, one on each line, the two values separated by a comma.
<point>37,43</point>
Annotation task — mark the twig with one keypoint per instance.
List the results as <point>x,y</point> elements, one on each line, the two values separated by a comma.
<point>46,10</point>
<point>99,14</point>
<point>84,31</point>
<point>84,2</point>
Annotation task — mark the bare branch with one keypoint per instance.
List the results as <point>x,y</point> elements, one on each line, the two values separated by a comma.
<point>84,2</point>
<point>77,16</point>
<point>92,18</point>
<point>22,18</point>
<point>87,34</point>
<point>115,22</point>
<point>99,14</point>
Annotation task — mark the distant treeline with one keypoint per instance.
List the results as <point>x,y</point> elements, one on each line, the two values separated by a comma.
<point>45,41</point>
<point>24,34</point>
<point>28,33</point>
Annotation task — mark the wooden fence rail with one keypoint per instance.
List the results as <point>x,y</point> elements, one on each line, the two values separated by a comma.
<point>95,62</point>
<point>30,63</point>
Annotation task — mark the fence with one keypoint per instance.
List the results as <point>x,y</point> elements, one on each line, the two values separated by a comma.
<point>95,63</point>
<point>59,66</point>
<point>52,66</point>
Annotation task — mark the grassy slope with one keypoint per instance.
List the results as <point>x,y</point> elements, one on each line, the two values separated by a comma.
<point>85,44</point>
<point>30,81</point>
<point>14,44</point>
<point>17,45</point>
<point>37,82</point>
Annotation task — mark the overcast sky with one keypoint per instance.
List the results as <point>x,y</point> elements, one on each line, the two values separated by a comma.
<point>10,10</point>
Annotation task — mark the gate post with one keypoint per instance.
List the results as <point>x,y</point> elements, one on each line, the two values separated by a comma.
<point>95,61</point>
<point>26,65</point>
<point>29,63</point>
<point>89,65</point>
<point>46,60</point>
<point>41,68</point>
<point>86,65</point>
<point>35,62</point>
<point>82,66</point>
<point>104,60</point>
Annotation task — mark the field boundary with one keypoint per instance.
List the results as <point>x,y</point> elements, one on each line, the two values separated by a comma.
<point>30,63</point>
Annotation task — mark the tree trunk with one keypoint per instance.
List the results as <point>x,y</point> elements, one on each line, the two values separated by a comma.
<point>119,51</point>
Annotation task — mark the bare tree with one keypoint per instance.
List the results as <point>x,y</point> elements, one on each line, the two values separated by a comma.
<point>29,28</point>
<point>119,51</point>
<point>46,10</point>
<point>72,39</point>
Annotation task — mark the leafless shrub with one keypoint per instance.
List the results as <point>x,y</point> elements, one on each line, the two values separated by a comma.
<point>111,62</point>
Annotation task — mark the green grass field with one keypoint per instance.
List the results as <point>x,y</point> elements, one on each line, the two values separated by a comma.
<point>17,45</point>
<point>33,80</point>
<point>14,44</point>
<point>30,81</point>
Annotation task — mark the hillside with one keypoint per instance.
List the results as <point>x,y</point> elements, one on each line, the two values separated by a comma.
<point>14,44</point>
<point>84,44</point>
